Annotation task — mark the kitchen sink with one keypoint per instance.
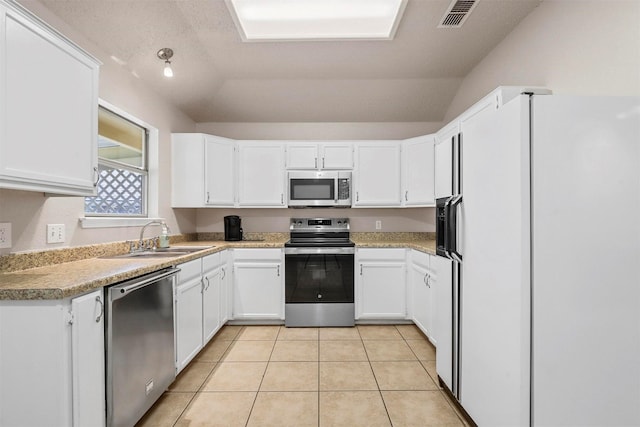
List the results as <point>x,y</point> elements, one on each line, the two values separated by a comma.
<point>172,251</point>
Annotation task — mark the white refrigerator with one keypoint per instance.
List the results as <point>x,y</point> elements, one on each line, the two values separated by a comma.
<point>549,292</point>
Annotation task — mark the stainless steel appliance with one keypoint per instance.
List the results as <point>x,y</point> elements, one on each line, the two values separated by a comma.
<point>232,228</point>
<point>320,189</point>
<point>139,345</point>
<point>319,267</point>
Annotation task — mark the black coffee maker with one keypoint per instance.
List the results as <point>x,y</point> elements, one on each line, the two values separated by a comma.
<point>232,228</point>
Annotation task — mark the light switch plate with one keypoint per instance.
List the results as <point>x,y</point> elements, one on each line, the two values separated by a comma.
<point>5,235</point>
<point>55,233</point>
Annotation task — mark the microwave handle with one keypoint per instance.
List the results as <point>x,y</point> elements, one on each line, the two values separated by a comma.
<point>336,187</point>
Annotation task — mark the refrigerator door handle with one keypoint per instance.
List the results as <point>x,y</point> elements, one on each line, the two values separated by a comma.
<point>446,227</point>
<point>451,238</point>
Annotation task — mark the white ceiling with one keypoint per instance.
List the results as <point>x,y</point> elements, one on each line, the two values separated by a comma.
<point>220,78</point>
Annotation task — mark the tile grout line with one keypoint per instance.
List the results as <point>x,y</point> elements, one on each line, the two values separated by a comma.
<point>376,379</point>
<point>262,379</point>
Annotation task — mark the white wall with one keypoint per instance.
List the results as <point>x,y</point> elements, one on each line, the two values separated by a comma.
<point>30,212</point>
<point>584,47</point>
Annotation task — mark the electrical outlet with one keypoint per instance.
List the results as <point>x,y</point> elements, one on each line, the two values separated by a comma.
<point>5,235</point>
<point>55,233</point>
<point>378,225</point>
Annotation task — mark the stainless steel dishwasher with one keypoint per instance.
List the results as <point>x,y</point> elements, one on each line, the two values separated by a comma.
<point>139,345</point>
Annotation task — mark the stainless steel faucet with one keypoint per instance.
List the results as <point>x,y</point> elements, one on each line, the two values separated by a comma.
<point>162,224</point>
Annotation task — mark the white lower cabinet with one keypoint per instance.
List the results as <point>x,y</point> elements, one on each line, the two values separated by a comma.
<point>258,284</point>
<point>199,306</point>
<point>422,282</point>
<point>52,362</point>
<point>380,284</point>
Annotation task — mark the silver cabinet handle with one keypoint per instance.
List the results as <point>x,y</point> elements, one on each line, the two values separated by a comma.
<point>406,196</point>
<point>316,163</point>
<point>425,279</point>
<point>208,283</point>
<point>97,175</point>
<point>99,301</point>
<point>278,270</point>
<point>357,196</point>
<point>282,198</point>
<point>361,269</point>
<point>323,163</point>
<point>207,197</point>
<point>224,273</point>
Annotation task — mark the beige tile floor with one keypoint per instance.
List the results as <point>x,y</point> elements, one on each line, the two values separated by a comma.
<point>276,376</point>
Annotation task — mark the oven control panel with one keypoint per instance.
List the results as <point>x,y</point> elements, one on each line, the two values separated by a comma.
<point>319,224</point>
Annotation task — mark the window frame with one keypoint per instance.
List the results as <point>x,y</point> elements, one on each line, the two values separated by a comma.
<point>152,179</point>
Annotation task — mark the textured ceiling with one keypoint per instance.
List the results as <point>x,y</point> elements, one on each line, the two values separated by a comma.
<point>219,78</point>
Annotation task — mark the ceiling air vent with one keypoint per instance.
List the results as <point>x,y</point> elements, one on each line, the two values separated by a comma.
<point>457,13</point>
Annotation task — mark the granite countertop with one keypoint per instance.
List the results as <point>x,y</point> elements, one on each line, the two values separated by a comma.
<point>69,279</point>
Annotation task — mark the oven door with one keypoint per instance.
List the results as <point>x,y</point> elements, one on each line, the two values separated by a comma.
<point>319,275</point>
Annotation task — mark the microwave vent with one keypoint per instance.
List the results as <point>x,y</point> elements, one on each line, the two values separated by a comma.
<point>457,13</point>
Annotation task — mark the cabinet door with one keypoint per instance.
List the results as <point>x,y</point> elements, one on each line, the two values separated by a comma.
<point>302,156</point>
<point>225,288</point>
<point>421,298</point>
<point>87,360</point>
<point>418,171</point>
<point>258,290</point>
<point>262,174</point>
<point>443,156</point>
<point>49,110</point>
<point>187,170</point>
<point>377,174</point>
<point>336,156</point>
<point>219,171</point>
<point>188,321</point>
<point>381,291</point>
<point>442,323</point>
<point>211,303</point>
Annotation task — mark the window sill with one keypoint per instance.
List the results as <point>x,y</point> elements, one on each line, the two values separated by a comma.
<point>105,222</point>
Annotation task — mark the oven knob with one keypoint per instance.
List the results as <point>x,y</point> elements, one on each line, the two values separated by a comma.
<point>319,296</point>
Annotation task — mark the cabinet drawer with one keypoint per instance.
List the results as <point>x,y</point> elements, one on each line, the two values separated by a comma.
<point>210,262</point>
<point>257,254</point>
<point>420,258</point>
<point>190,270</point>
<point>366,254</point>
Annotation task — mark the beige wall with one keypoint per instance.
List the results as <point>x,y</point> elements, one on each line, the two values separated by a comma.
<point>30,212</point>
<point>584,47</point>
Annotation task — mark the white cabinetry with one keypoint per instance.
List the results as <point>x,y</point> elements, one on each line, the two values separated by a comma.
<point>422,282</point>
<point>199,305</point>
<point>381,284</point>
<point>418,171</point>
<point>52,362</point>
<point>202,170</point>
<point>48,108</point>
<point>258,284</point>
<point>311,155</point>
<point>377,174</point>
<point>261,174</point>
<point>442,322</point>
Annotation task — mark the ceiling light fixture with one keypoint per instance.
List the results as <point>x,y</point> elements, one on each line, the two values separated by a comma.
<point>269,20</point>
<point>165,54</point>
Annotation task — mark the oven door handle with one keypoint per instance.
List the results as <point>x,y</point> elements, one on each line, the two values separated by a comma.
<point>319,251</point>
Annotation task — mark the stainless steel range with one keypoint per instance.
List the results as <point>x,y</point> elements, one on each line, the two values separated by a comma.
<point>319,264</point>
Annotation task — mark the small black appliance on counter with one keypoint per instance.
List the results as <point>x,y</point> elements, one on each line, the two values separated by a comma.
<point>232,228</point>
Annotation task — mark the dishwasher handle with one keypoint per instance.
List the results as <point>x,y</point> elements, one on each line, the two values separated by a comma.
<point>119,291</point>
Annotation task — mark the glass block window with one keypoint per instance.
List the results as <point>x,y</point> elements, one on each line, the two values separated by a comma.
<point>122,164</point>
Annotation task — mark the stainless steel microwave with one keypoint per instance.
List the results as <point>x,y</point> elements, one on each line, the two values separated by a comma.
<point>320,189</point>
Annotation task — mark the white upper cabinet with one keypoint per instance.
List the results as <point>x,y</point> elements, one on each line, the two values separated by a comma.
<point>312,155</point>
<point>48,108</point>
<point>418,171</point>
<point>377,174</point>
<point>443,158</point>
<point>202,171</point>
<point>219,171</point>
<point>261,174</point>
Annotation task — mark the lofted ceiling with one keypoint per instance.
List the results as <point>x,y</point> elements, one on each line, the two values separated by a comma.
<point>220,78</point>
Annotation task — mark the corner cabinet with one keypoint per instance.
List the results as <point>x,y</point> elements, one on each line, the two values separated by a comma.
<point>48,108</point>
<point>376,180</point>
<point>52,362</point>
<point>202,171</point>
<point>261,174</point>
